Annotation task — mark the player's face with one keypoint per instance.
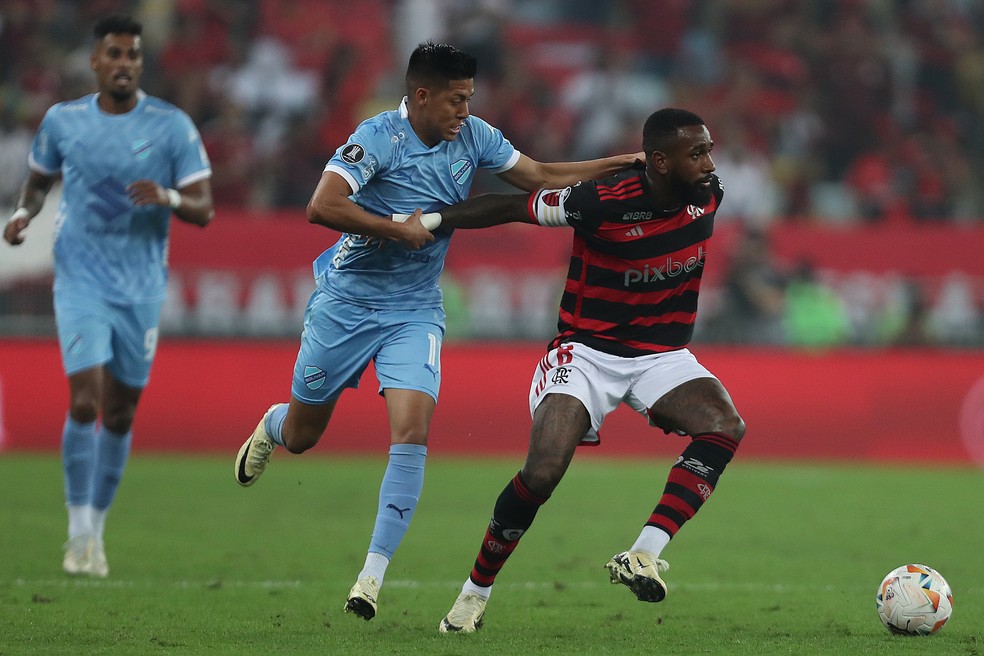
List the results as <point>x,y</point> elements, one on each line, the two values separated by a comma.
<point>118,64</point>
<point>444,111</point>
<point>691,166</point>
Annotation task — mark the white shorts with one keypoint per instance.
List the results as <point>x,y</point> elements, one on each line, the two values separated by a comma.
<point>602,381</point>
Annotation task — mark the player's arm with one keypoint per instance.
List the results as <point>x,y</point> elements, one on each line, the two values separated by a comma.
<point>485,211</point>
<point>33,193</point>
<point>530,175</point>
<point>192,203</point>
<point>330,206</point>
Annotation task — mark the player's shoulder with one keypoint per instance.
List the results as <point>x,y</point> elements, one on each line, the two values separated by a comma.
<point>618,186</point>
<point>717,187</point>
<point>478,131</point>
<point>155,105</point>
<point>73,106</point>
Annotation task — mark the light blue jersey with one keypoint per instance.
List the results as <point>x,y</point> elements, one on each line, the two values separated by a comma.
<point>392,171</point>
<point>104,245</point>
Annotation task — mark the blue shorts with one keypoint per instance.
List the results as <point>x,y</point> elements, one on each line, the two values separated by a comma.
<point>93,332</point>
<point>340,339</point>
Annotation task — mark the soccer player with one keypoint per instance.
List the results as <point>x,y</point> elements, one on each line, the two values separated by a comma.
<point>626,317</point>
<point>128,161</point>
<point>377,296</point>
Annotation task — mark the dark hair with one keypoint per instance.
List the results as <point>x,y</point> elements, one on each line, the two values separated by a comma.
<point>437,64</point>
<point>117,24</point>
<point>662,126</point>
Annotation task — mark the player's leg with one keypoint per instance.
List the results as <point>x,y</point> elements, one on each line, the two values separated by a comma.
<point>696,405</point>
<point>84,338</point>
<point>408,368</point>
<point>134,346</point>
<point>79,445</point>
<point>112,453</point>
<point>337,343</point>
<point>559,423</point>
<point>569,397</point>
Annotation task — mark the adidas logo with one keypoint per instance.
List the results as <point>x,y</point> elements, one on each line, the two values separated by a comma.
<point>634,232</point>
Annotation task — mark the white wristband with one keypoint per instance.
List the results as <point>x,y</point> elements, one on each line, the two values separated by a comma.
<point>431,220</point>
<point>21,213</point>
<point>173,198</point>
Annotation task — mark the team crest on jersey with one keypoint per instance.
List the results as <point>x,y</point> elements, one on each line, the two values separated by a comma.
<point>314,377</point>
<point>695,212</point>
<point>140,148</point>
<point>459,169</point>
<point>353,153</point>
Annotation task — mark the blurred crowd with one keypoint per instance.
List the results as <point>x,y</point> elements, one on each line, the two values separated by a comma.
<point>852,112</point>
<point>822,110</point>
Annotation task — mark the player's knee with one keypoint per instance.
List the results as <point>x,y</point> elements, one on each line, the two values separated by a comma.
<point>118,422</point>
<point>300,440</point>
<point>735,427</point>
<point>84,410</point>
<point>542,475</point>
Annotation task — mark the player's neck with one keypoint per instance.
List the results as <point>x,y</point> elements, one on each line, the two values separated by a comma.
<point>111,105</point>
<point>662,196</point>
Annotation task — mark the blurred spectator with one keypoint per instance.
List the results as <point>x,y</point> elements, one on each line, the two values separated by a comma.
<point>608,96</point>
<point>815,316</point>
<point>955,317</point>
<point>752,195</point>
<point>905,318</point>
<point>753,299</point>
<point>228,139</point>
<point>15,144</point>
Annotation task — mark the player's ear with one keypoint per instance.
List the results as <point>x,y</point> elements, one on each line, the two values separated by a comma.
<point>421,95</point>
<point>659,161</point>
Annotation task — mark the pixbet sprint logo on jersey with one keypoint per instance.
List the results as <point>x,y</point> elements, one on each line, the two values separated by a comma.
<point>670,269</point>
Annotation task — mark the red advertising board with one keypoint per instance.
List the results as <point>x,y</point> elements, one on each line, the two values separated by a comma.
<point>906,406</point>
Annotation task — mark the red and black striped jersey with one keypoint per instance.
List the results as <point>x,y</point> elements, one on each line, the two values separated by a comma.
<point>635,269</point>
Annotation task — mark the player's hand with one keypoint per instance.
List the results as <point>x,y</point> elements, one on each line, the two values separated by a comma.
<point>15,225</point>
<point>414,235</point>
<point>147,192</point>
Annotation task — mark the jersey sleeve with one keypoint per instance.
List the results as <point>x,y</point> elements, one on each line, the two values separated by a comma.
<point>495,152</point>
<point>361,157</point>
<point>45,157</point>
<point>191,161</point>
<point>570,206</point>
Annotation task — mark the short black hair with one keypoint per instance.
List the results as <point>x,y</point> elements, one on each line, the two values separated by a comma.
<point>662,128</point>
<point>117,24</point>
<point>434,64</point>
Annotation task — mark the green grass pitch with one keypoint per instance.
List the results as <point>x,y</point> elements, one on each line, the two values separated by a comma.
<point>784,559</point>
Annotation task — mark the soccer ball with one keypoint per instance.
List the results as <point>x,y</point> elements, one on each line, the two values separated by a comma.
<point>914,600</point>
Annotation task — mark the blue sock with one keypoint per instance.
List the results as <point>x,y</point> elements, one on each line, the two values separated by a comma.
<point>274,422</point>
<point>78,460</point>
<point>112,453</point>
<point>398,496</point>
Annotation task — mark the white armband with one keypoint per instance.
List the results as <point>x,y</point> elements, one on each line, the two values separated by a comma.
<point>173,198</point>
<point>21,213</point>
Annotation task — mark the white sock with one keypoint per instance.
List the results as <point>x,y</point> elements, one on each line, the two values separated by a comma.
<point>376,564</point>
<point>481,591</point>
<point>651,540</point>
<point>79,520</point>
<point>99,523</point>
